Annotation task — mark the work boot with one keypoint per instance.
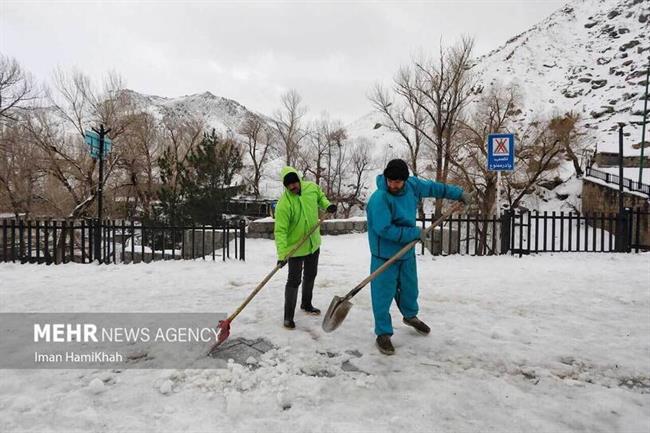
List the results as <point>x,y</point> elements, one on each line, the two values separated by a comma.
<point>384,345</point>
<point>310,310</point>
<point>289,324</point>
<point>417,324</point>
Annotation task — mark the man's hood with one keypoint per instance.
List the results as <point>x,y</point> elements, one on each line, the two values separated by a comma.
<point>286,170</point>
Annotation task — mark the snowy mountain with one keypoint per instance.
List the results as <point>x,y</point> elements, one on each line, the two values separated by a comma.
<point>220,113</point>
<point>587,57</point>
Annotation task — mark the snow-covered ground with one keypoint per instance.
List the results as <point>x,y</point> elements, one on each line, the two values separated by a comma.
<point>550,343</point>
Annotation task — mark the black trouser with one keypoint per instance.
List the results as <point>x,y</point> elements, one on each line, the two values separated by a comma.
<point>293,282</point>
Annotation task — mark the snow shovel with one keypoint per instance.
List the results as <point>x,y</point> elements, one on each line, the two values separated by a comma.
<point>340,306</point>
<point>224,325</point>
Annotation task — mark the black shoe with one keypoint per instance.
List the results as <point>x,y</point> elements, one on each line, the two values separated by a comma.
<point>289,324</point>
<point>384,345</point>
<point>419,325</point>
<point>310,310</point>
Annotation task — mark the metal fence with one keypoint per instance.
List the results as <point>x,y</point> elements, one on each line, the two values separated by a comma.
<point>464,234</point>
<point>535,232</point>
<point>614,179</point>
<point>85,241</point>
<point>540,232</point>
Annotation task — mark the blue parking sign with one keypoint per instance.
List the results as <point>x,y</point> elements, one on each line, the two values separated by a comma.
<point>501,152</point>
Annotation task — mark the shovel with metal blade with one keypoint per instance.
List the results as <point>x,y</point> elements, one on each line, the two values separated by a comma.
<point>224,325</point>
<point>340,306</point>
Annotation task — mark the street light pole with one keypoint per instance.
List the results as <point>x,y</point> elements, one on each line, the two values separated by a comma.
<point>645,119</point>
<point>100,193</point>
<point>621,229</point>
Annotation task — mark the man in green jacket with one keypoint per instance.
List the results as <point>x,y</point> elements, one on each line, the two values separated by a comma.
<point>295,214</point>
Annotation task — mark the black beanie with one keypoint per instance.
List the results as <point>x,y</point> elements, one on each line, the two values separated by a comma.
<point>396,170</point>
<point>289,178</point>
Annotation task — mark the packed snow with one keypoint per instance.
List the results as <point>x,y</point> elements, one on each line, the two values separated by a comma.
<point>540,343</point>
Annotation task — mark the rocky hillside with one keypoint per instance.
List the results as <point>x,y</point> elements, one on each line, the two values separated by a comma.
<point>588,57</point>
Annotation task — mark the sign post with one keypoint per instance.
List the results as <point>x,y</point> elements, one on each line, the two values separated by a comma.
<point>501,157</point>
<point>99,145</point>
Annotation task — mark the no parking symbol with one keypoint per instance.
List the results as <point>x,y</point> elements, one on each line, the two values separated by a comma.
<point>501,152</point>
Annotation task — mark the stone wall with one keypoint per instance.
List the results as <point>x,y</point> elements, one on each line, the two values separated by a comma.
<point>597,198</point>
<point>193,245</point>
<point>264,228</point>
<point>608,159</point>
<point>442,244</point>
<point>600,198</point>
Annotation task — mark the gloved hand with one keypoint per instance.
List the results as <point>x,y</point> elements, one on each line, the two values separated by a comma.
<point>468,197</point>
<point>331,208</point>
<point>281,263</point>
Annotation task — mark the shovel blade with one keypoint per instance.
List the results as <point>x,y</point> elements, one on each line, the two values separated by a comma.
<point>336,313</point>
<point>224,333</point>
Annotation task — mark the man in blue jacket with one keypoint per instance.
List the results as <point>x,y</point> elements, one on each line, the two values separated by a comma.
<point>391,215</point>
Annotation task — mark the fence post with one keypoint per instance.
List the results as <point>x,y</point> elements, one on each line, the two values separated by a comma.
<point>637,231</point>
<point>622,232</point>
<point>21,241</point>
<point>424,219</point>
<point>505,222</point>
<point>242,240</point>
<point>629,233</point>
<point>4,240</point>
<point>64,226</point>
<point>97,240</point>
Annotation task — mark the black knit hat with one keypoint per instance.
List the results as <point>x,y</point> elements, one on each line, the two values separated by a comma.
<point>396,170</point>
<point>290,178</point>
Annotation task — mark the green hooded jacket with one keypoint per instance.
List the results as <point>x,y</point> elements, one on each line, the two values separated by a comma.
<point>295,215</point>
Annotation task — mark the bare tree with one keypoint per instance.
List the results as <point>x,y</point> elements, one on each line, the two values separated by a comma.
<point>443,88</point>
<point>565,129</point>
<point>494,113</point>
<point>65,158</point>
<point>310,157</point>
<point>259,140</point>
<point>288,123</point>
<point>19,171</point>
<point>404,117</point>
<point>319,153</point>
<point>434,95</point>
<point>538,154</point>
<point>138,163</point>
<point>17,89</point>
<point>360,163</point>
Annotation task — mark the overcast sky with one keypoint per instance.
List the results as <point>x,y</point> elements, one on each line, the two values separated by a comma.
<point>331,52</point>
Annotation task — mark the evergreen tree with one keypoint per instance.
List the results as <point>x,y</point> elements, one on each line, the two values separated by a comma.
<point>203,183</point>
<point>170,207</point>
